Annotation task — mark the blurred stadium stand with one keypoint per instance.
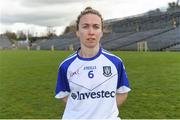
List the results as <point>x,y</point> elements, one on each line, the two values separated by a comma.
<point>5,42</point>
<point>152,31</point>
<point>155,30</point>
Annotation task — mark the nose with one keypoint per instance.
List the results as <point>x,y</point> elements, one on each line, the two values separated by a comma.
<point>91,31</point>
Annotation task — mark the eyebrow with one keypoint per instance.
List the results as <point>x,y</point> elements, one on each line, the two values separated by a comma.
<point>89,24</point>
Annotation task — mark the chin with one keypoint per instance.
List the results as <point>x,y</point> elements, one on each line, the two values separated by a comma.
<point>91,46</point>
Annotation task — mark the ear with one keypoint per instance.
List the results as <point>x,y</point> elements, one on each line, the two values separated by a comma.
<point>77,34</point>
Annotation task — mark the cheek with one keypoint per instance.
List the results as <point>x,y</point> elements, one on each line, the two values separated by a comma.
<point>99,34</point>
<point>82,32</point>
<point>82,36</point>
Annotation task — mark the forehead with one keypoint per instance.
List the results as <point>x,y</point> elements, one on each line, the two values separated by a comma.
<point>90,19</point>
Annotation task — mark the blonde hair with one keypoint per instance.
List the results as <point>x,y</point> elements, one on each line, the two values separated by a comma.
<point>88,10</point>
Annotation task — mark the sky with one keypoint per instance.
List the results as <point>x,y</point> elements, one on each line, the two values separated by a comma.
<point>35,16</point>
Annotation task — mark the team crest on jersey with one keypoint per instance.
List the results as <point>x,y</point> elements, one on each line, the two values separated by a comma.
<point>107,71</point>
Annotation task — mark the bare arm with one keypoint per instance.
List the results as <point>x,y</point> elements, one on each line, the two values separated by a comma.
<point>121,98</point>
<point>64,99</point>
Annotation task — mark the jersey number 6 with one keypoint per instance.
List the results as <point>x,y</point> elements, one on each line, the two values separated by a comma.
<point>90,74</point>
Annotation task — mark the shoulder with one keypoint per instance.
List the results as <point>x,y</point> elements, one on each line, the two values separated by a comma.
<point>68,60</point>
<point>111,57</point>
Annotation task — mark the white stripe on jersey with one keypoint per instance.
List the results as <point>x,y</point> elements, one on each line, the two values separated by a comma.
<point>123,89</point>
<point>106,52</point>
<point>62,94</point>
<point>71,56</point>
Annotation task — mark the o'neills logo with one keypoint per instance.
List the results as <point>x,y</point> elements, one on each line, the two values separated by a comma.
<point>93,95</point>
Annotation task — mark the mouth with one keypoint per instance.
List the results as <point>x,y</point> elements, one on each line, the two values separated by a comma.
<point>91,39</point>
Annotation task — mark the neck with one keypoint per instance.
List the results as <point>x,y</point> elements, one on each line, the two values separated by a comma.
<point>88,52</point>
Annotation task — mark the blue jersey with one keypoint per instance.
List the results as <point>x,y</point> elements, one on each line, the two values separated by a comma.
<point>91,85</point>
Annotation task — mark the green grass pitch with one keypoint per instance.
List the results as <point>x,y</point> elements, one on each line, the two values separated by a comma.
<point>28,79</point>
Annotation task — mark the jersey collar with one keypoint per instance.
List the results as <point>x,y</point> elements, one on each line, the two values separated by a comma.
<point>88,59</point>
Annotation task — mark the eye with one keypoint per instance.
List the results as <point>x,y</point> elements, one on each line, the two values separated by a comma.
<point>85,26</point>
<point>96,27</point>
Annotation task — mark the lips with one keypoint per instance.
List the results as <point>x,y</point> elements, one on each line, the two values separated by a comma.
<point>91,39</point>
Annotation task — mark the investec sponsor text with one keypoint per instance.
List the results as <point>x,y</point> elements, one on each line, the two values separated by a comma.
<point>93,95</point>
